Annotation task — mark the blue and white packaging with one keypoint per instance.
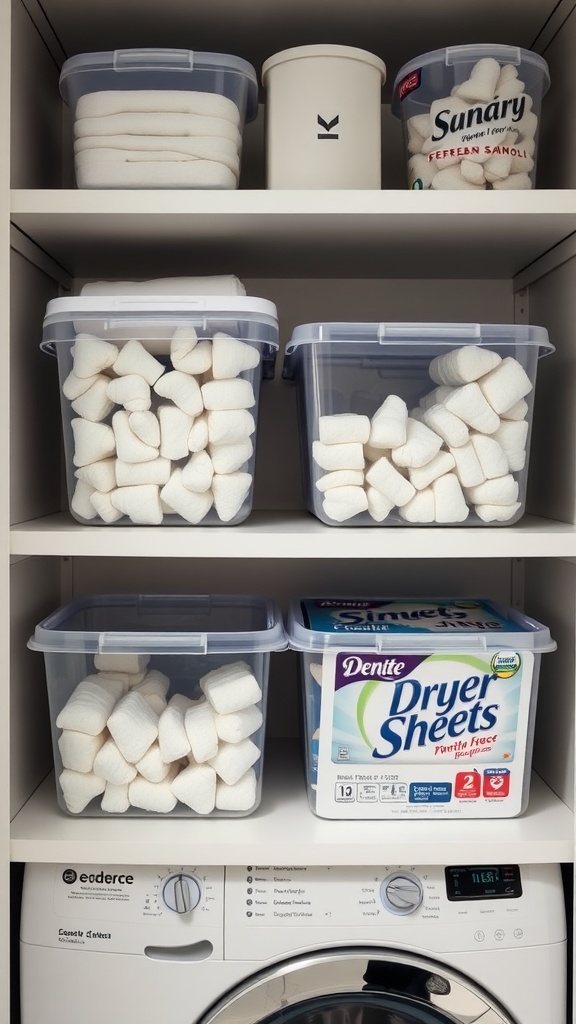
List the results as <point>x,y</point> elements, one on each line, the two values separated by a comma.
<point>417,708</point>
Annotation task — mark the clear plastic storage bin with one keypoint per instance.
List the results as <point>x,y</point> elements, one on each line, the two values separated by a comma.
<point>471,116</point>
<point>417,708</point>
<point>158,702</point>
<point>415,423</point>
<point>160,402</point>
<point>153,118</point>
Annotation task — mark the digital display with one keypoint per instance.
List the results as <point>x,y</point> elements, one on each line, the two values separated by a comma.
<point>483,882</point>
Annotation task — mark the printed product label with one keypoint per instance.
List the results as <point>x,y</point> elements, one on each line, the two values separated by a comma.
<point>405,735</point>
<point>480,131</point>
<point>408,84</point>
<point>336,615</point>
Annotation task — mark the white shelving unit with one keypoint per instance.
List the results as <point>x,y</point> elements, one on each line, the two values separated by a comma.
<point>389,255</point>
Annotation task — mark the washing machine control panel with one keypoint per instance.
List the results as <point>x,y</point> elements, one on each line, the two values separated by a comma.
<point>474,907</point>
<point>143,909</point>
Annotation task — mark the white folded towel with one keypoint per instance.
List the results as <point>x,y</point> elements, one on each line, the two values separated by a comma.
<point>209,147</point>
<point>127,101</point>
<point>87,159</point>
<point>156,174</point>
<point>150,123</point>
<point>219,284</point>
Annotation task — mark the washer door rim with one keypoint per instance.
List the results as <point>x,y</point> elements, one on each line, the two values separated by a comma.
<point>299,979</point>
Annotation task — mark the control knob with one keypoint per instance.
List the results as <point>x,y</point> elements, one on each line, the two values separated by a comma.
<point>401,892</point>
<point>181,893</point>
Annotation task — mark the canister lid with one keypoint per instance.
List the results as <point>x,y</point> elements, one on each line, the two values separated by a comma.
<point>324,50</point>
<point>162,624</point>
<point>158,59</point>
<point>525,60</point>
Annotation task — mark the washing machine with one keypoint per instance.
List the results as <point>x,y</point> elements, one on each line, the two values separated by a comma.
<point>261,944</point>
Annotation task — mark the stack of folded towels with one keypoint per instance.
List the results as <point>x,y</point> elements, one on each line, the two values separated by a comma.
<point>127,739</point>
<point>154,138</point>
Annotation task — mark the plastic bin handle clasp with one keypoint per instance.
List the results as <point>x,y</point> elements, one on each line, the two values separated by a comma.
<point>422,332</point>
<point>127,60</point>
<point>153,643</point>
<point>502,53</point>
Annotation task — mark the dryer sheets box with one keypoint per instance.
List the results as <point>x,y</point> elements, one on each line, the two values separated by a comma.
<point>417,708</point>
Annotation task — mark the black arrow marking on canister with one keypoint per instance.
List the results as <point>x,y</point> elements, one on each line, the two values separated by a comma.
<point>327,125</point>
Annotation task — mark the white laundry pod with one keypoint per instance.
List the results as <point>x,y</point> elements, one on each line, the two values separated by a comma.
<point>81,503</point>
<point>385,478</point>
<point>134,358</point>
<point>195,786</point>
<point>93,442</point>
<point>228,394</point>
<point>231,357</point>
<point>330,457</point>
<point>420,447</point>
<point>131,391</point>
<point>92,355</point>
<point>192,506</point>
<point>343,428</point>
<point>229,492</point>
<point>198,472</point>
<point>140,502</point>
<point>182,389</point>
<point>239,797</point>
<point>342,503</point>
<point>134,726</point>
<point>231,687</point>
<point>389,424</point>
<point>449,501</point>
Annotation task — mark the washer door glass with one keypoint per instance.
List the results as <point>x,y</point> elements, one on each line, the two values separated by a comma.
<point>360,1009</point>
<point>357,986</point>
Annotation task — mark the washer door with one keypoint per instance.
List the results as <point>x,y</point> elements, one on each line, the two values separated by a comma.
<point>361,986</point>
